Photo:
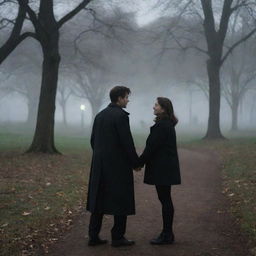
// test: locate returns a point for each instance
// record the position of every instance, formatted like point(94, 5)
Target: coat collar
point(113, 105)
point(160, 122)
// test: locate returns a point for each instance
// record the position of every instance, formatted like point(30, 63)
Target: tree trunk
point(190, 106)
point(234, 109)
point(43, 140)
point(253, 111)
point(95, 107)
point(213, 131)
point(32, 111)
point(64, 112)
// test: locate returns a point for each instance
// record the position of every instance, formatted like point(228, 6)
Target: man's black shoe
point(163, 239)
point(122, 242)
point(96, 241)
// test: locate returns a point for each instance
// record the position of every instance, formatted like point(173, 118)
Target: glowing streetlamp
point(82, 108)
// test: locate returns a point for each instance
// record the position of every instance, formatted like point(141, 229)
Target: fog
point(129, 45)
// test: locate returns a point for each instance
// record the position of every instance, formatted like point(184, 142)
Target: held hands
point(138, 169)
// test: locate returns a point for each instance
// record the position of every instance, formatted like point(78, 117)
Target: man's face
point(122, 102)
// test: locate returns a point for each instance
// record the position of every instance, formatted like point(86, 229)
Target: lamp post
point(82, 107)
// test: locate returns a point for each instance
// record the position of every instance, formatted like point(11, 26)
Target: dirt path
point(202, 226)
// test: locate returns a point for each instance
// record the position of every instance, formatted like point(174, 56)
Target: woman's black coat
point(160, 155)
point(111, 186)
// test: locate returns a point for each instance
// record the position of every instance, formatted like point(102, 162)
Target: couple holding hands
point(111, 185)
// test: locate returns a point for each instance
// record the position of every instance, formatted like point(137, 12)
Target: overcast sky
point(146, 12)
point(145, 9)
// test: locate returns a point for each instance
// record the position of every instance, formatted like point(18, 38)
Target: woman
point(162, 164)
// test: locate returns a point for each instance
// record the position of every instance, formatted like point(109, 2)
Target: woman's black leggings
point(164, 195)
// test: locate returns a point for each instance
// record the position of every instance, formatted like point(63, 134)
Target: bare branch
point(243, 3)
point(208, 15)
point(71, 14)
point(5, 20)
point(181, 46)
point(236, 44)
point(227, 95)
point(32, 15)
point(15, 38)
point(224, 21)
point(9, 46)
point(7, 1)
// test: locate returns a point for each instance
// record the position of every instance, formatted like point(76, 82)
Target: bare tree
point(96, 55)
point(26, 87)
point(253, 108)
point(215, 39)
point(63, 95)
point(92, 86)
point(214, 33)
point(239, 72)
point(238, 81)
point(46, 32)
point(15, 37)
point(3, 91)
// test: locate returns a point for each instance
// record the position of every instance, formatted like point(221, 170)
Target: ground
point(42, 198)
point(203, 225)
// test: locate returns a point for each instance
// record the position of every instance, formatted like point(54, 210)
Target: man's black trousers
point(117, 231)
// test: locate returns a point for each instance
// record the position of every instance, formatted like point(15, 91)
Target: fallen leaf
point(26, 213)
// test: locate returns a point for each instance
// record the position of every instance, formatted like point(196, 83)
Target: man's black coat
point(160, 155)
point(111, 186)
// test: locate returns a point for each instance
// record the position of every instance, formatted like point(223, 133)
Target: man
point(111, 186)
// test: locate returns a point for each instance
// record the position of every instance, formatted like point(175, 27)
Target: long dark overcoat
point(111, 185)
point(160, 155)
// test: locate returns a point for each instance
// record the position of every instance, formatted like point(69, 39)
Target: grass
point(13, 138)
point(239, 173)
point(40, 194)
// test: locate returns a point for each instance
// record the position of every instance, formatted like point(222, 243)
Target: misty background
point(147, 46)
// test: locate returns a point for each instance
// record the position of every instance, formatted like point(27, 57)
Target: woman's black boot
point(163, 238)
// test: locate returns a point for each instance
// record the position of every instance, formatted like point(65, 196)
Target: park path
point(202, 225)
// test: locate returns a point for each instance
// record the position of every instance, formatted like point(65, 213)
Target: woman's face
point(158, 109)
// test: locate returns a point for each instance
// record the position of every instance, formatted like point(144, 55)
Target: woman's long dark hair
point(168, 113)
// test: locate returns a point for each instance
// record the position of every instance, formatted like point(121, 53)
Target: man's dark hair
point(118, 91)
